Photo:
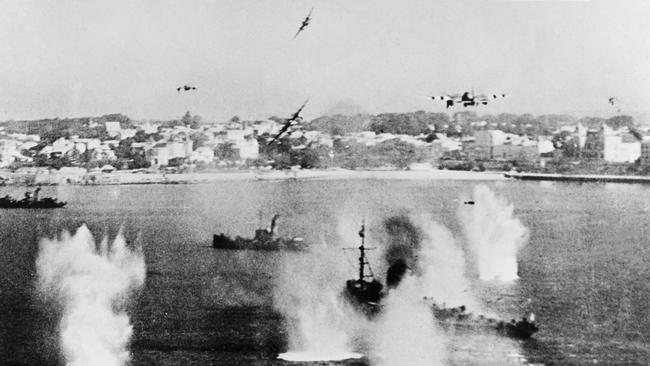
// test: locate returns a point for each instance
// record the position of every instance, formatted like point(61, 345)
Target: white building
point(163, 152)
point(8, 151)
point(620, 146)
point(149, 127)
point(248, 147)
point(448, 144)
point(89, 144)
point(113, 128)
point(202, 154)
point(489, 137)
point(582, 135)
point(267, 126)
point(544, 145)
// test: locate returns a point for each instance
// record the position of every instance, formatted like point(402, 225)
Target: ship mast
point(363, 261)
point(362, 254)
point(362, 250)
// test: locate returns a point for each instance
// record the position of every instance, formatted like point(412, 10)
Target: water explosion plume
point(321, 325)
point(92, 285)
point(424, 260)
point(494, 235)
point(443, 265)
point(406, 333)
point(428, 250)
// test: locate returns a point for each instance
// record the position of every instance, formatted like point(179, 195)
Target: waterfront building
point(620, 146)
point(163, 152)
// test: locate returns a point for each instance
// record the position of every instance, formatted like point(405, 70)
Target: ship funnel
point(274, 224)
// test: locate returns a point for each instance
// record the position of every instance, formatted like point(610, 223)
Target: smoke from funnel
point(92, 286)
point(403, 241)
point(396, 273)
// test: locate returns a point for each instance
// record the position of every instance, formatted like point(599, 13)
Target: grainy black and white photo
point(325, 182)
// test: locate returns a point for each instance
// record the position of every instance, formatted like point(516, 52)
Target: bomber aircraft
point(185, 88)
point(467, 99)
point(304, 24)
point(291, 121)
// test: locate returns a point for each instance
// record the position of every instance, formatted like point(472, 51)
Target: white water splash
point(93, 286)
point(406, 333)
point(442, 266)
point(321, 325)
point(318, 329)
point(494, 235)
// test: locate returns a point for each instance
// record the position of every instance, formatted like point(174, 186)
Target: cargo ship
point(264, 239)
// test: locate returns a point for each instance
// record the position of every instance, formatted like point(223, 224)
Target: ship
point(264, 239)
point(31, 200)
point(365, 294)
point(459, 319)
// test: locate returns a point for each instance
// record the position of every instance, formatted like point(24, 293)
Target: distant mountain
point(343, 107)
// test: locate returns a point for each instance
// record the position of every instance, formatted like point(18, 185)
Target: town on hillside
point(83, 148)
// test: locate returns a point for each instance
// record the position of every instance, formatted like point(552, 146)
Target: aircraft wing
point(282, 131)
point(454, 97)
point(296, 115)
point(487, 97)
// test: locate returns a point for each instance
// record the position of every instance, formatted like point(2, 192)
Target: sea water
point(581, 269)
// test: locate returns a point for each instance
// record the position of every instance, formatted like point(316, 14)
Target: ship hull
point(222, 241)
point(518, 330)
point(451, 318)
point(42, 204)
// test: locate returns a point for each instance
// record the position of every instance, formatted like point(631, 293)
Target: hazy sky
point(81, 58)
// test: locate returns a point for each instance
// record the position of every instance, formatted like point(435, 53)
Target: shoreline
point(596, 178)
point(129, 178)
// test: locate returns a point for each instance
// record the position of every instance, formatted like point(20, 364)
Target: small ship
point(366, 293)
point(31, 200)
point(264, 239)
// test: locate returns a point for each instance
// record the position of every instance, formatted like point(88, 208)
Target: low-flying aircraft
point(291, 121)
point(614, 102)
point(185, 88)
point(467, 99)
point(304, 24)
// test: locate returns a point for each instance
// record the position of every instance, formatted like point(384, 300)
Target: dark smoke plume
point(395, 273)
point(403, 245)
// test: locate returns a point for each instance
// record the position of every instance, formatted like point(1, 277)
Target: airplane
point(614, 102)
point(293, 120)
point(304, 24)
point(467, 99)
point(185, 88)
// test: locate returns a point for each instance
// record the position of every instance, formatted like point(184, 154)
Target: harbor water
point(576, 256)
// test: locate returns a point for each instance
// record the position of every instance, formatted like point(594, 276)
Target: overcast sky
point(69, 58)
